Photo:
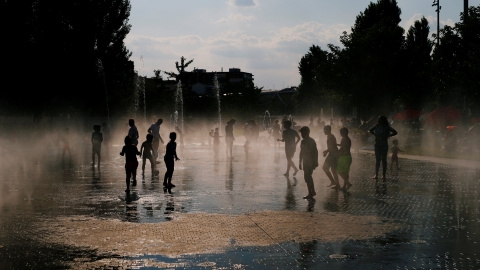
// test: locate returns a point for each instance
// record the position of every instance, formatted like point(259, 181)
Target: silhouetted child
point(131, 163)
point(229, 138)
point(146, 152)
point(308, 160)
point(133, 132)
point(248, 137)
point(154, 129)
point(291, 138)
point(97, 139)
point(170, 158)
point(106, 138)
point(66, 144)
point(276, 132)
point(345, 158)
point(331, 162)
point(216, 139)
point(395, 149)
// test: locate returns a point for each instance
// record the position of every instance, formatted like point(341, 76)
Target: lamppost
point(465, 8)
point(437, 3)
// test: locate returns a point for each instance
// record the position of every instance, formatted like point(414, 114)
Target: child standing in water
point(309, 157)
point(291, 138)
point(229, 138)
point(395, 149)
point(146, 150)
point(97, 139)
point(331, 162)
point(170, 158)
point(130, 152)
point(276, 132)
point(345, 158)
point(66, 144)
point(216, 140)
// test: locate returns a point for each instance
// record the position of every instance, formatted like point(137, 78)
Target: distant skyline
point(264, 37)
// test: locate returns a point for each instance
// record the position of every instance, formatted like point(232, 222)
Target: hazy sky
point(264, 37)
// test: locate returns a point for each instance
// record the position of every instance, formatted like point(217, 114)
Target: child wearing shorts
point(331, 160)
point(130, 152)
point(308, 160)
point(147, 152)
point(345, 158)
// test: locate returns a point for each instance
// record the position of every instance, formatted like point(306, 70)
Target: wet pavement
point(242, 214)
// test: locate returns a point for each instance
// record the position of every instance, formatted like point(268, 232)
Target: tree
point(62, 43)
point(446, 64)
point(456, 62)
point(418, 72)
point(158, 74)
point(469, 30)
point(180, 68)
point(313, 68)
point(373, 51)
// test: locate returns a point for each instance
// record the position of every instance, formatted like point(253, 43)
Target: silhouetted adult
point(382, 131)
point(229, 138)
point(154, 129)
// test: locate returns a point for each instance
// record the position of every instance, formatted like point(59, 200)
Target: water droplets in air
point(178, 109)
point(217, 94)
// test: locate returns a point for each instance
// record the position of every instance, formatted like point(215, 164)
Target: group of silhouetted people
point(338, 158)
point(337, 161)
point(149, 150)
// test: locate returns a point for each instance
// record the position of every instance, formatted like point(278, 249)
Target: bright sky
point(264, 37)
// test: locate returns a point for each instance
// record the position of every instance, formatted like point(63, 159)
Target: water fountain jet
point(217, 94)
point(101, 70)
point(179, 106)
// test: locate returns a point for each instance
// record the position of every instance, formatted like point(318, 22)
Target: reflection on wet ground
point(242, 214)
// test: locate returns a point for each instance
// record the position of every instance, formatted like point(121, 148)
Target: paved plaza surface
point(243, 214)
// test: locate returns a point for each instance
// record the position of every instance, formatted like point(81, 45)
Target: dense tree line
point(381, 68)
point(65, 57)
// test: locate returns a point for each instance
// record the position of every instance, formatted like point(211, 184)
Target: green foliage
point(418, 47)
point(318, 70)
point(373, 57)
point(379, 67)
point(457, 62)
